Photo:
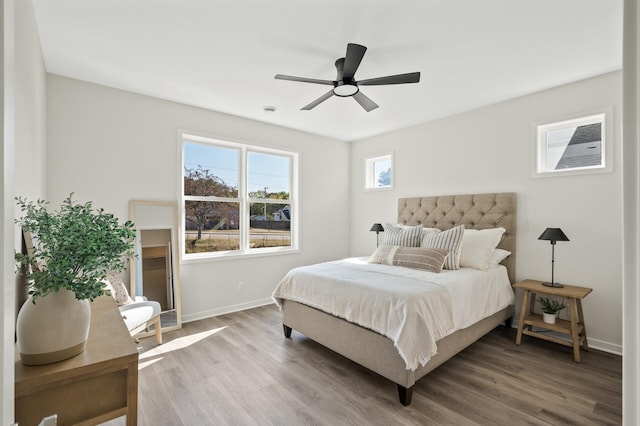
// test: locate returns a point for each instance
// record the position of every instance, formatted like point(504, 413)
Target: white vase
point(549, 318)
point(56, 327)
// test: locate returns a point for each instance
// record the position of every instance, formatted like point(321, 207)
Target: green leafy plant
point(75, 247)
point(550, 306)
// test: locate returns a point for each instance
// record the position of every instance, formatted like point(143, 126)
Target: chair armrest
point(138, 313)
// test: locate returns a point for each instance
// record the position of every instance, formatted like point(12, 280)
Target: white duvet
point(413, 308)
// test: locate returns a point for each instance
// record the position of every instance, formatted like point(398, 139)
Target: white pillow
point(498, 256)
point(478, 247)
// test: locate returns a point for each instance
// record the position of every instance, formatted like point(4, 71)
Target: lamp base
point(556, 285)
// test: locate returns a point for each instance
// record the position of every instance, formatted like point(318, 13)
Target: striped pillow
point(410, 257)
point(406, 236)
point(451, 240)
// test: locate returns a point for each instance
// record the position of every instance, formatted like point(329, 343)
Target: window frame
point(370, 175)
point(541, 129)
point(243, 200)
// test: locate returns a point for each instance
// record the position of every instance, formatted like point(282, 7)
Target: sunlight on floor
point(144, 364)
point(179, 343)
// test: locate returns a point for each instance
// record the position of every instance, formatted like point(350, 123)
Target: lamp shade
point(553, 235)
point(377, 227)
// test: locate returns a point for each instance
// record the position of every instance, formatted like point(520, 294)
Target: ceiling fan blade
point(304, 79)
point(411, 77)
point(318, 101)
point(365, 102)
point(352, 60)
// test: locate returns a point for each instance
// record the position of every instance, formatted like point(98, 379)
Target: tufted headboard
point(475, 211)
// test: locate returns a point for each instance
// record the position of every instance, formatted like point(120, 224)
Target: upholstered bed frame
point(376, 352)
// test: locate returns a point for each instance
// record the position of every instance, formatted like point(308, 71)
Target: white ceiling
point(223, 55)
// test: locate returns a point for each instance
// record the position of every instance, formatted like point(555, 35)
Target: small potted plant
point(550, 309)
point(73, 250)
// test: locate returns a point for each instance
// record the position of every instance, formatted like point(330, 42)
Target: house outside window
point(237, 199)
point(572, 145)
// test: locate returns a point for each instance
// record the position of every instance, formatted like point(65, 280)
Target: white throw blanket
point(393, 301)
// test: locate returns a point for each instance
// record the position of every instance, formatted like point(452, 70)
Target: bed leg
point(287, 331)
point(508, 321)
point(405, 395)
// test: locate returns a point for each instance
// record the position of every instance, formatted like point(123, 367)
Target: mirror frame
point(175, 263)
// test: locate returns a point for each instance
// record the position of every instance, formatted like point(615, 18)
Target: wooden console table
point(96, 385)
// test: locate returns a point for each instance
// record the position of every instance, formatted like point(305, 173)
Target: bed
point(374, 350)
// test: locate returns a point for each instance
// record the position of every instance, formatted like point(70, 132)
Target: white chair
point(138, 315)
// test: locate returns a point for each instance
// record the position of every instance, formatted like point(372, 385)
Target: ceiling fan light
point(345, 90)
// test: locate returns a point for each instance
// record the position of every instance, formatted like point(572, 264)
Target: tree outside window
point(237, 198)
point(379, 172)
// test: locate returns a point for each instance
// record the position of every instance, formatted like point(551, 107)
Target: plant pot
point(56, 327)
point(549, 318)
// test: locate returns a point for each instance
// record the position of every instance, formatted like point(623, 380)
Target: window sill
point(222, 256)
point(386, 188)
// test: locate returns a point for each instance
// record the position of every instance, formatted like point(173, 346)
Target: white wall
point(23, 158)
point(110, 146)
point(488, 150)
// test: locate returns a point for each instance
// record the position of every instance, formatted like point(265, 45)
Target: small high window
point(574, 146)
point(379, 172)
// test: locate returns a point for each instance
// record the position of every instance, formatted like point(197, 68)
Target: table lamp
point(553, 235)
point(378, 228)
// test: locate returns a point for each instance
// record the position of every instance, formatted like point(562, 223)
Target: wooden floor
point(238, 369)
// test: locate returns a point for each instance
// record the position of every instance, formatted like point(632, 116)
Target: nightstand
point(575, 327)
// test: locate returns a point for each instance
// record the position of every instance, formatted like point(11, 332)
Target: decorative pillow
point(410, 257)
point(478, 247)
point(425, 230)
point(406, 236)
point(117, 289)
point(450, 240)
point(498, 256)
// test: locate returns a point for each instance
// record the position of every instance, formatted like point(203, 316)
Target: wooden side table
point(575, 327)
point(96, 385)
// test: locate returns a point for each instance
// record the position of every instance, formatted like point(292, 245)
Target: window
point(379, 172)
point(236, 198)
point(574, 145)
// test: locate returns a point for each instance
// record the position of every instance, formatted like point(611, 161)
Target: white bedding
point(413, 308)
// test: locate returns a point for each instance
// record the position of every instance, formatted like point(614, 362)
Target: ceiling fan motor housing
point(344, 87)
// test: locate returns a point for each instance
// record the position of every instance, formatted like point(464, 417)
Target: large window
point(236, 198)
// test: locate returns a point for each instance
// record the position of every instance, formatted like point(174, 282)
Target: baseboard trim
point(605, 346)
point(226, 310)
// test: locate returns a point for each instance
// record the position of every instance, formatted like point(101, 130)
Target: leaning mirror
point(154, 272)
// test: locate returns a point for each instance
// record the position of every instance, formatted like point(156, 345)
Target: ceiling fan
point(345, 84)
